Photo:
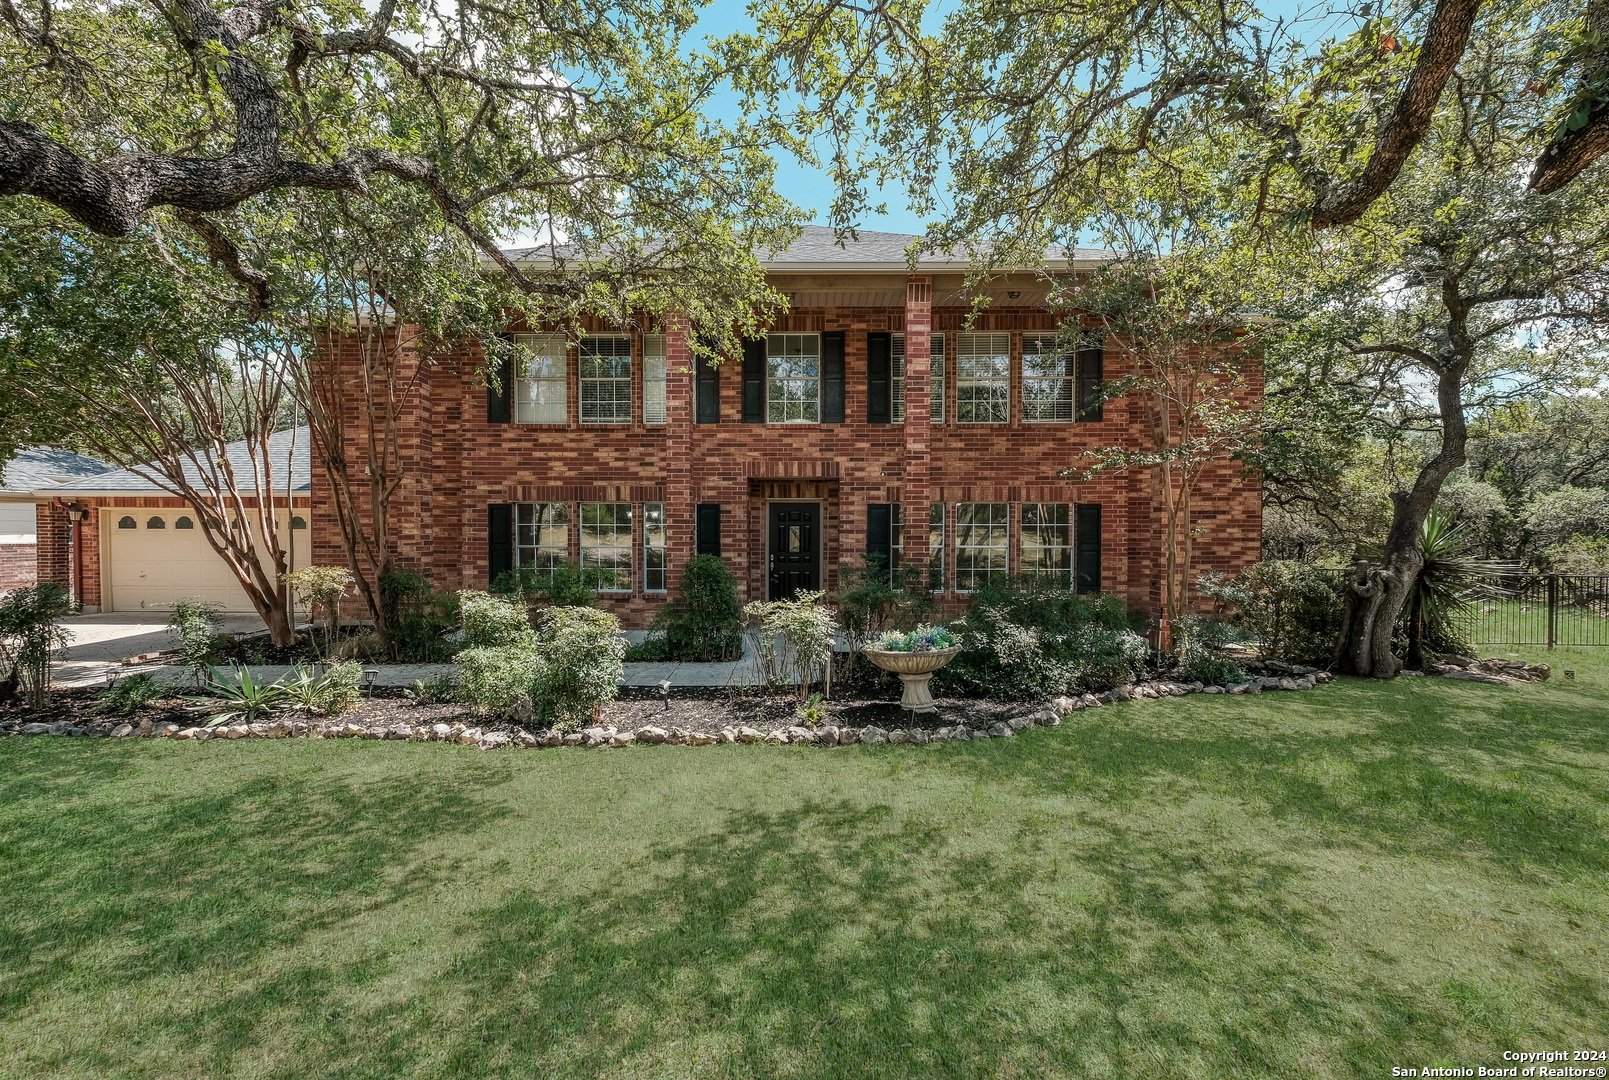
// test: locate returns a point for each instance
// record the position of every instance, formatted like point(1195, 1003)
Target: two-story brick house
point(872, 418)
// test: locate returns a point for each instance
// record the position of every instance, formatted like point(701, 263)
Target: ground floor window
point(541, 537)
point(653, 547)
point(1047, 543)
point(982, 544)
point(606, 546)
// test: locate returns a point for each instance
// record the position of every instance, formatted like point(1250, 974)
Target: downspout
point(75, 574)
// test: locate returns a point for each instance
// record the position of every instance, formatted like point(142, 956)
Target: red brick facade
point(458, 463)
point(18, 565)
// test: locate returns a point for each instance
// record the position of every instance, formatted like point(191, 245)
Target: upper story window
point(606, 379)
point(653, 378)
point(793, 378)
point(1048, 374)
point(541, 379)
point(983, 379)
point(935, 379)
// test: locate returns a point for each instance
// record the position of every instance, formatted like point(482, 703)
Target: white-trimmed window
point(653, 547)
point(1047, 543)
point(983, 379)
point(541, 537)
point(982, 544)
point(605, 379)
point(1049, 368)
point(606, 546)
point(541, 379)
point(793, 378)
point(935, 379)
point(653, 378)
point(935, 547)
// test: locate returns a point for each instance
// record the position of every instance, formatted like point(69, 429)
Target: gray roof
point(43, 466)
point(286, 449)
point(820, 248)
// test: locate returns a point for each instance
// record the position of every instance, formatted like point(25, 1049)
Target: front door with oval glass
point(795, 548)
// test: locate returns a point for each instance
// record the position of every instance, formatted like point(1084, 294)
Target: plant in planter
point(914, 655)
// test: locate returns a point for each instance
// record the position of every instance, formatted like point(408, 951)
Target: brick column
point(918, 418)
point(679, 494)
point(53, 556)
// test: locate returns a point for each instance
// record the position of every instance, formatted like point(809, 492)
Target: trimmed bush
point(497, 679)
point(578, 667)
point(703, 622)
point(1288, 610)
point(494, 622)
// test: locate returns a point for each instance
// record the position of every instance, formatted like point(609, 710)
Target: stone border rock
point(494, 735)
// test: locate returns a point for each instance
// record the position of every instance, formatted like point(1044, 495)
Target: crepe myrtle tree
point(566, 119)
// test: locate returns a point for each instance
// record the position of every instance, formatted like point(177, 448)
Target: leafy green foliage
point(131, 694)
point(578, 663)
point(873, 598)
point(564, 585)
point(496, 678)
point(493, 622)
point(321, 588)
point(416, 616)
point(1024, 638)
point(196, 624)
point(921, 639)
point(795, 639)
point(702, 624)
point(1211, 670)
point(326, 693)
point(32, 637)
point(239, 696)
point(1287, 610)
point(1448, 581)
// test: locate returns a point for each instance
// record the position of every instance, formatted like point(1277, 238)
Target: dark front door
point(795, 549)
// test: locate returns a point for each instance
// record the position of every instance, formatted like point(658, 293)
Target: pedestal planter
point(914, 669)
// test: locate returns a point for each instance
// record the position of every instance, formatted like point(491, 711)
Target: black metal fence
point(1538, 609)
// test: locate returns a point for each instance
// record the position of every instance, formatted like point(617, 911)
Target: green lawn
point(1324, 884)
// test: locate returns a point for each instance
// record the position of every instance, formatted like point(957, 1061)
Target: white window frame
point(529, 527)
point(620, 553)
point(541, 379)
point(1033, 528)
point(998, 526)
point(808, 400)
point(983, 378)
point(605, 398)
point(935, 547)
point(935, 379)
point(1049, 398)
point(653, 520)
point(654, 369)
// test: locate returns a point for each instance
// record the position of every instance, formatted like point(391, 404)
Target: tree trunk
point(1378, 588)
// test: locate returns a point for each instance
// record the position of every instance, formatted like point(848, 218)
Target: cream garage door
point(154, 557)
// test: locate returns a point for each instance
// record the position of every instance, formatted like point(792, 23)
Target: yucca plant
point(240, 698)
point(1449, 580)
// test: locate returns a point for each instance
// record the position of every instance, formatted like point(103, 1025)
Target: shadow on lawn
point(1512, 774)
point(103, 890)
point(836, 941)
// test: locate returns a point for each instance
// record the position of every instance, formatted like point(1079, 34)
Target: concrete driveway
point(100, 642)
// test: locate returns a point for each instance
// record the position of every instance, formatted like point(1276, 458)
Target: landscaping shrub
point(328, 693)
point(320, 588)
point(703, 622)
point(31, 638)
point(795, 641)
point(195, 623)
point(578, 663)
point(1587, 555)
point(1024, 638)
point(131, 694)
point(1211, 670)
point(415, 616)
point(493, 622)
point(564, 585)
point(873, 600)
point(238, 697)
point(1287, 610)
point(496, 678)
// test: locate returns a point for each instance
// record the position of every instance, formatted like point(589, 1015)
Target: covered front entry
point(153, 556)
point(793, 544)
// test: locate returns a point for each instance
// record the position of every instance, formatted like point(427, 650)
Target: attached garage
point(151, 557)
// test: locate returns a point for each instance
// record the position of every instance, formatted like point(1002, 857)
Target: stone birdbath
point(915, 669)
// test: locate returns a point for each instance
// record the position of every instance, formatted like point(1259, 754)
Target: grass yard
point(1324, 884)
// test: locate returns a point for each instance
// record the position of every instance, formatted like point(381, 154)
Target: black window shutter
point(832, 377)
point(1087, 541)
point(1090, 376)
point(707, 390)
point(880, 533)
point(500, 398)
point(754, 381)
point(879, 382)
point(499, 541)
point(707, 539)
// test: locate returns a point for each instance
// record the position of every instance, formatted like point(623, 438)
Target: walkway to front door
point(795, 547)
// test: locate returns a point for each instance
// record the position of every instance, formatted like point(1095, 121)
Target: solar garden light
point(664, 693)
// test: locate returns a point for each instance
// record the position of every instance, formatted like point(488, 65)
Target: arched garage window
point(184, 523)
point(126, 522)
point(156, 523)
point(298, 523)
